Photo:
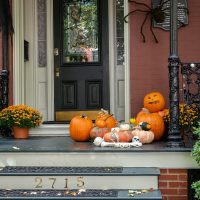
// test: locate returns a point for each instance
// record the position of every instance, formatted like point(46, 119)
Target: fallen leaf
point(16, 148)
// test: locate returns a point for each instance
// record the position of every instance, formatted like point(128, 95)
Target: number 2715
point(39, 182)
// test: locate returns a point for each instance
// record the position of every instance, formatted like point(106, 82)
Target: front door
point(81, 58)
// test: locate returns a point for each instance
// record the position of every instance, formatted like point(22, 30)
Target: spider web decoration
point(182, 13)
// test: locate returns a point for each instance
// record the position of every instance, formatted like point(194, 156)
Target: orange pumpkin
point(155, 120)
point(100, 123)
point(98, 132)
point(154, 102)
point(110, 121)
point(80, 127)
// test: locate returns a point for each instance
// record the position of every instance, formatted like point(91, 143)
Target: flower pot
point(20, 133)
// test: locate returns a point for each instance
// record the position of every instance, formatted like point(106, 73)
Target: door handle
point(57, 71)
point(56, 52)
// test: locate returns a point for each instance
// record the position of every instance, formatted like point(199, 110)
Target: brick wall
point(149, 61)
point(173, 184)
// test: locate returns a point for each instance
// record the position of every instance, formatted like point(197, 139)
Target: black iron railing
point(191, 83)
point(3, 89)
point(190, 94)
point(4, 77)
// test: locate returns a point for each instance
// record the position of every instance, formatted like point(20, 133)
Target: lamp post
point(174, 137)
point(6, 28)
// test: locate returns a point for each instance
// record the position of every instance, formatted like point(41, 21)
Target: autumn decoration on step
point(155, 120)
point(104, 119)
point(118, 136)
point(144, 133)
point(154, 102)
point(80, 127)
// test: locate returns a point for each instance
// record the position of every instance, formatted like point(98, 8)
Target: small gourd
point(145, 126)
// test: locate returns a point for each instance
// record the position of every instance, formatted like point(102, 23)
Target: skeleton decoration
point(101, 143)
point(136, 141)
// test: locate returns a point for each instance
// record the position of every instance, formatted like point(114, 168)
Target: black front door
point(81, 57)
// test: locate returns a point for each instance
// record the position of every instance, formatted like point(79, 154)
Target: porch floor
point(65, 144)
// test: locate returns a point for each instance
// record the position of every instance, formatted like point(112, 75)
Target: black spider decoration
point(157, 14)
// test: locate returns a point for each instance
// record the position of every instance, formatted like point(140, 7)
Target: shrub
point(196, 156)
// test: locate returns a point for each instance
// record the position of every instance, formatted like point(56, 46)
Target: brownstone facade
point(149, 61)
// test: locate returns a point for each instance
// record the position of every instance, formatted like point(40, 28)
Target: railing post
point(4, 89)
point(174, 137)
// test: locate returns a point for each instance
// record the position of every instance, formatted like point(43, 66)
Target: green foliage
point(197, 130)
point(196, 187)
point(196, 152)
point(196, 156)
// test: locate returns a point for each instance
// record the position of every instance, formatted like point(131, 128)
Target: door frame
point(18, 58)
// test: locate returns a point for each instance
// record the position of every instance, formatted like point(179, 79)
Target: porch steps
point(77, 194)
point(79, 183)
point(78, 177)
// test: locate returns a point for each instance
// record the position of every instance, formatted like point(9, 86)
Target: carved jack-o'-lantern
point(154, 102)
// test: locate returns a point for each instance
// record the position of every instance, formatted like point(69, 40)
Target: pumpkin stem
point(108, 117)
point(104, 111)
point(83, 116)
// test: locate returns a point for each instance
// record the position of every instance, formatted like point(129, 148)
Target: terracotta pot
point(20, 133)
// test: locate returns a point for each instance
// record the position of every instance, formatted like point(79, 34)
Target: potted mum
point(188, 119)
point(20, 118)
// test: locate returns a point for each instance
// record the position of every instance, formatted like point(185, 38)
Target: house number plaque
point(182, 13)
point(51, 182)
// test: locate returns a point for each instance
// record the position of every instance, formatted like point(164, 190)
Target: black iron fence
point(191, 83)
point(4, 77)
point(3, 89)
point(190, 95)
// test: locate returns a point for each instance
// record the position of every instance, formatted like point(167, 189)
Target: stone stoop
point(79, 183)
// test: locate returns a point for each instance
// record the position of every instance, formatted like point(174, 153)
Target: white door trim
point(50, 62)
point(112, 55)
point(127, 66)
point(18, 52)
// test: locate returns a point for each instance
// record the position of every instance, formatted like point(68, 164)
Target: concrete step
point(78, 177)
point(81, 194)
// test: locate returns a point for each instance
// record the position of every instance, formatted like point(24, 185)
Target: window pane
point(80, 31)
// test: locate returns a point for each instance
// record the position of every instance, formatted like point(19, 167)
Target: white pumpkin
point(145, 137)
